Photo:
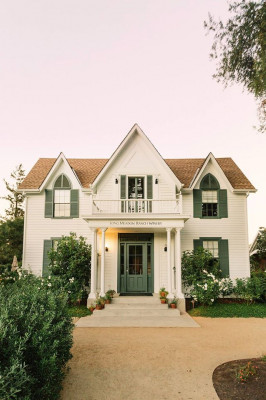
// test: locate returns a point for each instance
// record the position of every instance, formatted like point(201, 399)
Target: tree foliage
point(11, 241)
point(239, 46)
point(14, 197)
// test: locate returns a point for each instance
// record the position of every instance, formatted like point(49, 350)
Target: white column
point(169, 268)
point(92, 294)
point(179, 293)
point(102, 293)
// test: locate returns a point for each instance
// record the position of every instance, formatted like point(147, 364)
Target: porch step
point(135, 312)
point(136, 306)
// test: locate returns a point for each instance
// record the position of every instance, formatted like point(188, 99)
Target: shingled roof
point(88, 169)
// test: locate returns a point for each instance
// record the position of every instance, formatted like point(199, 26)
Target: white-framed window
point(212, 246)
point(62, 197)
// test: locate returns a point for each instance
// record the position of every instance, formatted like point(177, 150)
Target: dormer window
point(62, 201)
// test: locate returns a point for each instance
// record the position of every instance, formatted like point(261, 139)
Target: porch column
point(102, 293)
point(92, 294)
point(169, 268)
point(179, 292)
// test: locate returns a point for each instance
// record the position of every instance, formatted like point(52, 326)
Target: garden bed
point(229, 388)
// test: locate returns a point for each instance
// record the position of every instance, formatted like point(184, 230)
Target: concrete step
point(135, 299)
point(148, 312)
point(182, 321)
point(137, 306)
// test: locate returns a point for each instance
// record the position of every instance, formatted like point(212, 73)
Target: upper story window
point(210, 201)
point(134, 190)
point(62, 197)
point(62, 201)
point(209, 186)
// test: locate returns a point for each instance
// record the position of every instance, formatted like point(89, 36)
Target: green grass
point(231, 310)
point(78, 311)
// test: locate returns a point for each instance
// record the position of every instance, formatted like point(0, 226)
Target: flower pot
point(163, 301)
point(162, 294)
point(98, 307)
point(108, 302)
point(173, 305)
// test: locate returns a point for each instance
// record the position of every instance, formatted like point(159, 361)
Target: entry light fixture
point(165, 247)
point(156, 181)
point(106, 249)
point(116, 181)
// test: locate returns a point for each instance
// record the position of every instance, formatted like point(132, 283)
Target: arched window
point(62, 197)
point(210, 201)
point(62, 201)
point(209, 191)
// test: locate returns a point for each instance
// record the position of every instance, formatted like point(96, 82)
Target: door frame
point(135, 238)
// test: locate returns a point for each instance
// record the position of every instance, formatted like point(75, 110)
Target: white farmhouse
point(139, 212)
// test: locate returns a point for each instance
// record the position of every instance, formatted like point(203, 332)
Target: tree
point(258, 258)
point(11, 241)
point(15, 198)
point(240, 47)
point(70, 260)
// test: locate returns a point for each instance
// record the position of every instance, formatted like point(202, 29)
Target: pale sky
point(75, 75)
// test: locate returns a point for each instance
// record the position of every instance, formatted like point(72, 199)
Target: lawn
point(231, 310)
point(78, 311)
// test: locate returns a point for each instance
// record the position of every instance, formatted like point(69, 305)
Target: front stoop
point(137, 312)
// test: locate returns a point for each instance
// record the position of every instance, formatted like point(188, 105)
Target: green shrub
point(35, 339)
point(70, 261)
point(194, 263)
point(251, 289)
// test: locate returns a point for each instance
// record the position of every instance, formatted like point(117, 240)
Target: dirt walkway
point(158, 363)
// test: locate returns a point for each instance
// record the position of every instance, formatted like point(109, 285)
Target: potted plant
point(173, 302)
point(163, 300)
point(102, 300)
point(108, 298)
point(163, 292)
point(92, 307)
point(99, 304)
point(111, 292)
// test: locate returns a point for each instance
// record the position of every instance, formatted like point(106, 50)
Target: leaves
point(239, 47)
point(15, 198)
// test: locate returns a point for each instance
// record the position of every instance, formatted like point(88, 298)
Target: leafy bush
point(70, 261)
point(251, 289)
point(7, 276)
point(35, 339)
point(195, 262)
point(202, 277)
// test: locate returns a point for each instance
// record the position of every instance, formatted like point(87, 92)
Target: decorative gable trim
point(135, 129)
point(197, 176)
point(60, 158)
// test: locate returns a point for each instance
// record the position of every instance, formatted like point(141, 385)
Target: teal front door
point(136, 267)
point(135, 263)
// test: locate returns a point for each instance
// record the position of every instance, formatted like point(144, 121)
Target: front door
point(135, 264)
point(136, 267)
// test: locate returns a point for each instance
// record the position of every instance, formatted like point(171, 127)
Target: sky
point(75, 75)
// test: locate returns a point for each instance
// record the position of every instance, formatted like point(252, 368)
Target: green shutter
point(46, 261)
point(197, 203)
point(123, 187)
point(48, 204)
point(197, 243)
point(149, 187)
point(223, 212)
point(224, 257)
point(74, 203)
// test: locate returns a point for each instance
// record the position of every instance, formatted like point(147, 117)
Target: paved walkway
point(158, 363)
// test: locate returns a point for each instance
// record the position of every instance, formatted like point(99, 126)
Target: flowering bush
point(210, 288)
point(243, 373)
point(35, 339)
point(70, 261)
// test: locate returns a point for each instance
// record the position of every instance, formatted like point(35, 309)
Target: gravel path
point(158, 363)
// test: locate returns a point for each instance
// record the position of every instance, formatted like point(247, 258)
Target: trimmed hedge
point(35, 339)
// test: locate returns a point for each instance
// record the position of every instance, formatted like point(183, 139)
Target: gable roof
point(87, 171)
